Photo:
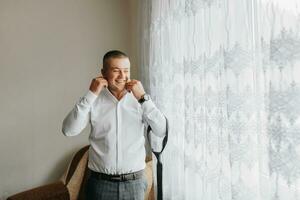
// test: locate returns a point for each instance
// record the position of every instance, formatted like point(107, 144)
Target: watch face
point(146, 97)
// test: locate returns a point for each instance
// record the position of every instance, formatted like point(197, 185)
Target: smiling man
point(118, 110)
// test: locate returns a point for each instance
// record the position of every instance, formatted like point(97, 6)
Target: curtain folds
point(227, 76)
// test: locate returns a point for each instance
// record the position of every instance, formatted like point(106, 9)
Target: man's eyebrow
point(119, 68)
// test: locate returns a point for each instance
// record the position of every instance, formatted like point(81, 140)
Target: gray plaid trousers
point(97, 189)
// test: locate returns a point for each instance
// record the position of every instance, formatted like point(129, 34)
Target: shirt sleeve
point(78, 118)
point(154, 118)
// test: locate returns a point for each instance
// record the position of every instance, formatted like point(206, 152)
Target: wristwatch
point(144, 98)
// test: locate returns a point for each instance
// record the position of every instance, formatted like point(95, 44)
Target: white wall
point(49, 52)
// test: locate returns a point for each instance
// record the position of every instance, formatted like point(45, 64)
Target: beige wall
point(49, 52)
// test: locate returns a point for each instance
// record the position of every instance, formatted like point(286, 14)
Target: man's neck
point(117, 94)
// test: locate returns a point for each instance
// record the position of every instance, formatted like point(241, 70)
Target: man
point(118, 110)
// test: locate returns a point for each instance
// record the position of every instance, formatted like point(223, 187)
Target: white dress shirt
point(117, 130)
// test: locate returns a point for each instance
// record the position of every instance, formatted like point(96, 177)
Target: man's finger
point(132, 82)
point(128, 87)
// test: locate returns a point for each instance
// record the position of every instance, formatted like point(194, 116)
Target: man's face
point(117, 73)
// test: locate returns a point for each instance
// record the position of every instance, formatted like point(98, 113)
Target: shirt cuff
point(90, 97)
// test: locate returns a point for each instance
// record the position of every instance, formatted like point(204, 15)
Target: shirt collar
point(108, 93)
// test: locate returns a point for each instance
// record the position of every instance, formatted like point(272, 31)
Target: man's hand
point(97, 85)
point(136, 88)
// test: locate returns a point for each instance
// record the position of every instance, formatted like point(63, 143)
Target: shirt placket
point(118, 138)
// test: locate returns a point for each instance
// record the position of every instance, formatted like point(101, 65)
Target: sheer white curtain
point(226, 74)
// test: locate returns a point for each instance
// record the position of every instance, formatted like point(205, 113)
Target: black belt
point(118, 178)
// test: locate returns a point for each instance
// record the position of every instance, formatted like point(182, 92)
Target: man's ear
point(103, 73)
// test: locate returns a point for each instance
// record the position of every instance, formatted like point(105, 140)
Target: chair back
point(77, 173)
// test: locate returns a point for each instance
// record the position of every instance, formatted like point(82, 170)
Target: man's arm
point(151, 115)
point(154, 118)
point(78, 118)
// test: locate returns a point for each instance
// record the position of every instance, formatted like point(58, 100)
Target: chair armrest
point(54, 191)
point(149, 194)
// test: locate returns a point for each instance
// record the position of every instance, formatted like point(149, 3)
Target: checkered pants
point(97, 189)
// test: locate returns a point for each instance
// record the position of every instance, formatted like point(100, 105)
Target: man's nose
point(122, 74)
